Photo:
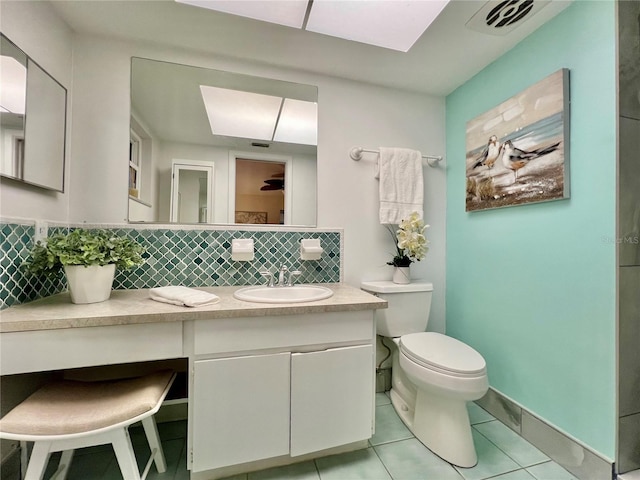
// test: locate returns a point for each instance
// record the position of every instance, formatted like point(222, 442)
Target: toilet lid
point(431, 349)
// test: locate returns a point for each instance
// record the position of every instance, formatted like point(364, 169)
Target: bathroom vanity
point(269, 384)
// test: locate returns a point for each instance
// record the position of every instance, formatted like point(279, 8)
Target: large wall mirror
point(33, 111)
point(257, 138)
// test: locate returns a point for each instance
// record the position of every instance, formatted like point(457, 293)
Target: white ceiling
point(446, 56)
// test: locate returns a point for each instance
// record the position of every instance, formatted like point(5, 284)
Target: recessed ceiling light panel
point(385, 23)
point(298, 123)
point(283, 12)
point(233, 113)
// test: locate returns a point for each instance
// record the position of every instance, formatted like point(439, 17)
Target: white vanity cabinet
point(240, 410)
point(269, 384)
point(280, 386)
point(331, 393)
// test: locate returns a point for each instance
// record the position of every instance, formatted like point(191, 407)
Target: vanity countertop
point(134, 306)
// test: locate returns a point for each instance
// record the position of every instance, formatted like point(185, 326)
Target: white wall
point(303, 187)
point(39, 32)
point(354, 114)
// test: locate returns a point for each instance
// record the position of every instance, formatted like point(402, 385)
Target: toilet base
point(441, 424)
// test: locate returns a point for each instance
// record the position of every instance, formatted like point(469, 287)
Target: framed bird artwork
point(518, 152)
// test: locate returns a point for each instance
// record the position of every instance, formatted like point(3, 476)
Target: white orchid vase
point(411, 242)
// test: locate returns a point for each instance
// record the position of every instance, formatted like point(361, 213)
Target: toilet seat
point(443, 354)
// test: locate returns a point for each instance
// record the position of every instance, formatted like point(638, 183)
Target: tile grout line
point(383, 464)
point(550, 460)
point(508, 456)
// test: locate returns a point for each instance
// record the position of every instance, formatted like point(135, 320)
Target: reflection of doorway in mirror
point(260, 191)
point(12, 153)
point(192, 191)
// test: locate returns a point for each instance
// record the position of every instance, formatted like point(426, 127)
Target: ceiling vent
point(499, 17)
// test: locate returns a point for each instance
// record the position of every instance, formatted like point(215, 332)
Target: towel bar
point(356, 154)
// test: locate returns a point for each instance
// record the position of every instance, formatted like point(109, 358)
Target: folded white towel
point(183, 296)
point(401, 184)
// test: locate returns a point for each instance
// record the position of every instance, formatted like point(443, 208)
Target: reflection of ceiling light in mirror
point(393, 24)
point(240, 114)
point(283, 12)
point(390, 24)
point(297, 123)
point(13, 79)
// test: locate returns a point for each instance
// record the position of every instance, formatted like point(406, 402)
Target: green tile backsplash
point(190, 257)
point(16, 284)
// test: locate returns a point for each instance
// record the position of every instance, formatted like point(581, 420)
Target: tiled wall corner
point(194, 257)
point(628, 240)
point(564, 450)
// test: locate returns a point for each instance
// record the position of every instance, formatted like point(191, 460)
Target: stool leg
point(38, 461)
point(24, 458)
point(65, 463)
point(124, 454)
point(151, 431)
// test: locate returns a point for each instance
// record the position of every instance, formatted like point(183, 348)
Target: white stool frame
point(117, 435)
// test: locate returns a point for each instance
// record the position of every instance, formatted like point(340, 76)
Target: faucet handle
point(293, 273)
point(269, 276)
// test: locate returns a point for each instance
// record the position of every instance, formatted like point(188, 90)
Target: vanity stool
point(66, 415)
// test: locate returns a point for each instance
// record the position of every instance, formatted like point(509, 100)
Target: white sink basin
point(294, 294)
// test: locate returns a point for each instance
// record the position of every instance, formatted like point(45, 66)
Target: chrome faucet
point(285, 277)
point(269, 276)
point(292, 273)
point(282, 276)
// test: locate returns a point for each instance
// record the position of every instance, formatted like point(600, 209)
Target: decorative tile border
point(194, 257)
point(582, 462)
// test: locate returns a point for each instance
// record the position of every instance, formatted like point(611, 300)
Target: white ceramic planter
point(402, 275)
point(90, 284)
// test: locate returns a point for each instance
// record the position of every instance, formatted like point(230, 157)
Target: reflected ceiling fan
point(274, 183)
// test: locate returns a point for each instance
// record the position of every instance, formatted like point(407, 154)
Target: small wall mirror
point(257, 135)
point(33, 111)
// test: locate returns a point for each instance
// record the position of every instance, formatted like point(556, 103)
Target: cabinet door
point(331, 398)
point(240, 410)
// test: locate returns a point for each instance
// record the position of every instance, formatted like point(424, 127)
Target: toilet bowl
point(443, 387)
point(432, 376)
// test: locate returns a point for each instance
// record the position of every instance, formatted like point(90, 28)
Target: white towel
point(183, 296)
point(401, 184)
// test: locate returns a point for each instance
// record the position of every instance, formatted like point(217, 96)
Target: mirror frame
point(61, 145)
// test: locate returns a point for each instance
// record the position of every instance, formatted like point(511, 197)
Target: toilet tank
point(408, 310)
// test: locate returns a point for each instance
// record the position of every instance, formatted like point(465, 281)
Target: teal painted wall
point(533, 287)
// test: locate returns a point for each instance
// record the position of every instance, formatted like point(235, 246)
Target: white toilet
point(432, 376)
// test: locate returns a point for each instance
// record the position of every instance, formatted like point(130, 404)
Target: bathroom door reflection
point(192, 192)
point(260, 191)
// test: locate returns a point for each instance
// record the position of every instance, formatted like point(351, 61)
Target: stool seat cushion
point(68, 407)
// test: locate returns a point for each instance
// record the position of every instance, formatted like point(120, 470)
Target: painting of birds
point(490, 153)
point(517, 152)
point(515, 158)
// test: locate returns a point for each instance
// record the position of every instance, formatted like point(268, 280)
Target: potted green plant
point(411, 245)
point(89, 259)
